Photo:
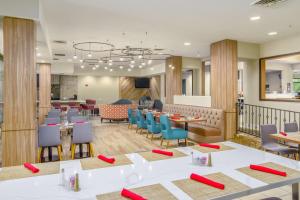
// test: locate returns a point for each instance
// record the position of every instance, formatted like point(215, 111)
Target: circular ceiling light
point(89, 55)
point(129, 70)
point(255, 18)
point(110, 64)
point(81, 60)
point(105, 68)
point(140, 56)
point(82, 66)
point(132, 62)
point(111, 70)
point(132, 66)
point(121, 67)
point(140, 66)
point(272, 33)
point(75, 57)
point(149, 62)
point(187, 44)
point(94, 68)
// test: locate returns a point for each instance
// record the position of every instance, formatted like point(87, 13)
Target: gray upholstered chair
point(55, 120)
point(48, 137)
point(82, 134)
point(54, 113)
point(75, 119)
point(270, 144)
point(71, 113)
point(288, 128)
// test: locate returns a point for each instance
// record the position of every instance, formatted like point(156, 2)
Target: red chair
point(89, 106)
point(56, 105)
point(74, 105)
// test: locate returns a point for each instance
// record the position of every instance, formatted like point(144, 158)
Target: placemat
point(153, 192)
point(270, 178)
point(223, 147)
point(95, 163)
point(198, 190)
point(17, 172)
point(149, 156)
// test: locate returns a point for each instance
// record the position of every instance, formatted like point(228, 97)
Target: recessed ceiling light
point(187, 43)
point(81, 60)
point(140, 66)
point(100, 61)
point(110, 61)
point(38, 54)
point(121, 59)
point(132, 66)
point(254, 18)
point(82, 66)
point(110, 64)
point(89, 55)
point(121, 67)
point(149, 62)
point(132, 61)
point(111, 70)
point(140, 56)
point(94, 68)
point(105, 68)
point(170, 66)
point(129, 70)
point(143, 64)
point(173, 68)
point(75, 57)
point(152, 68)
point(272, 33)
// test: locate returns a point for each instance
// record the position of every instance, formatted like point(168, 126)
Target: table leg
point(295, 191)
point(80, 151)
point(50, 153)
point(186, 126)
point(298, 152)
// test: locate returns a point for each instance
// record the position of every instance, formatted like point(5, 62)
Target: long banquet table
point(144, 173)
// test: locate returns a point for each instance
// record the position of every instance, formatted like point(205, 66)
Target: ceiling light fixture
point(38, 54)
point(82, 66)
point(140, 56)
point(187, 44)
point(75, 57)
point(132, 62)
point(170, 66)
point(110, 64)
point(89, 55)
point(129, 70)
point(255, 18)
point(111, 70)
point(173, 68)
point(132, 66)
point(149, 62)
point(272, 33)
point(121, 59)
point(100, 61)
point(81, 60)
point(143, 63)
point(140, 66)
point(94, 68)
point(105, 68)
point(121, 67)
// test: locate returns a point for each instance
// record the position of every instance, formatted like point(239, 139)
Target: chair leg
point(178, 142)
point(147, 134)
point(40, 154)
point(152, 136)
point(168, 142)
point(161, 142)
point(73, 147)
point(59, 152)
point(185, 141)
point(91, 149)
point(137, 129)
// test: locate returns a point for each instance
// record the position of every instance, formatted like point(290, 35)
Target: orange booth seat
point(115, 112)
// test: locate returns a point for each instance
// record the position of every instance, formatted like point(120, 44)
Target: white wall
point(105, 89)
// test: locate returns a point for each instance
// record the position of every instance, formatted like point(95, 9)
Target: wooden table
point(186, 121)
point(293, 137)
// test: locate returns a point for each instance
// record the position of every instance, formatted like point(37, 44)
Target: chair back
point(72, 104)
point(76, 119)
point(139, 116)
point(158, 105)
point(49, 135)
point(71, 113)
point(90, 101)
point(54, 113)
point(82, 133)
point(165, 123)
point(150, 119)
point(56, 105)
point(55, 120)
point(265, 131)
point(291, 127)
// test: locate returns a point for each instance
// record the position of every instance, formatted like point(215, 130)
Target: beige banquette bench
point(212, 130)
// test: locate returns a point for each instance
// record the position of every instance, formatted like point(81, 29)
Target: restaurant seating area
point(149, 100)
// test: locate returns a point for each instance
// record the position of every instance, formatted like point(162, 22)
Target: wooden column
point(44, 91)
point(19, 92)
point(173, 78)
point(224, 82)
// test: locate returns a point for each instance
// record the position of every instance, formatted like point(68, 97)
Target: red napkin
point(175, 118)
point(267, 170)
point(214, 146)
point(176, 115)
point(197, 117)
point(31, 167)
point(109, 160)
point(283, 133)
point(207, 181)
point(80, 122)
point(128, 194)
point(51, 124)
point(167, 153)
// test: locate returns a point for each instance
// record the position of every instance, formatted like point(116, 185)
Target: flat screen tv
point(142, 83)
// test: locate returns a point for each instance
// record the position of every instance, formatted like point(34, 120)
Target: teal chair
point(140, 121)
point(169, 133)
point(152, 126)
point(131, 118)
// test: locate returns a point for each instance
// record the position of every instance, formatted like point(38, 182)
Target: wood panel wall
point(44, 91)
point(224, 81)
point(127, 88)
point(19, 92)
point(173, 78)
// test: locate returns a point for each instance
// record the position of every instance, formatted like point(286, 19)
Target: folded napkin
point(267, 170)
point(214, 146)
point(51, 124)
point(197, 117)
point(176, 114)
point(31, 167)
point(175, 118)
point(283, 133)
point(109, 160)
point(80, 122)
point(167, 153)
point(207, 181)
point(128, 194)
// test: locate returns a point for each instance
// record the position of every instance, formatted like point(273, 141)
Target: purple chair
point(288, 128)
point(48, 137)
point(72, 113)
point(76, 119)
point(54, 113)
point(270, 144)
point(82, 134)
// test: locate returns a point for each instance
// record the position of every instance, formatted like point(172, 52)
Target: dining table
point(292, 137)
point(186, 120)
point(156, 176)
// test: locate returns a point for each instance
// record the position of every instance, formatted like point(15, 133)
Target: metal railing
point(250, 117)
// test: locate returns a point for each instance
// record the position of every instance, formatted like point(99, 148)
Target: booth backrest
point(109, 111)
